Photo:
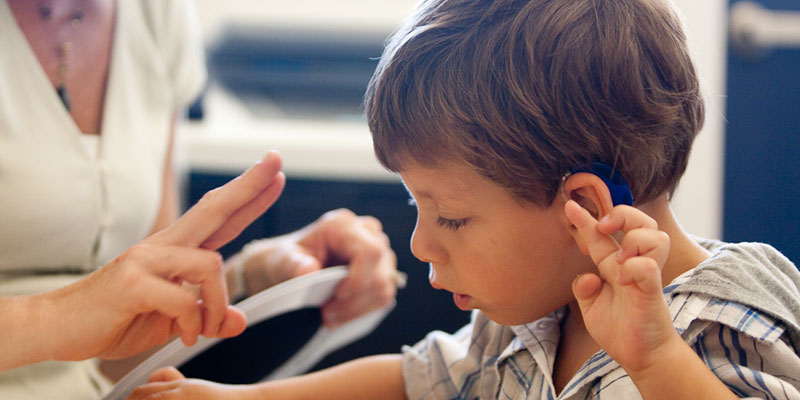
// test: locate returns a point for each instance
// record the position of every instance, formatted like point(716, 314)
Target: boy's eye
point(451, 224)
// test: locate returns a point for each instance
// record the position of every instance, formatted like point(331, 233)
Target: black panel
point(259, 350)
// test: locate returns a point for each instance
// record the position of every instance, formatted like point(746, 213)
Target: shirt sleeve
point(176, 31)
point(751, 367)
point(425, 365)
point(461, 365)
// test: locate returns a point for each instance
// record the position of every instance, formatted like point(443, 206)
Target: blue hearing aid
point(620, 192)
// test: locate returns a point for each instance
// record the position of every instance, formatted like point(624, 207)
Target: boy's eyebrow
point(426, 194)
point(422, 194)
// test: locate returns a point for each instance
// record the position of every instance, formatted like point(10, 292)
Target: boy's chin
point(509, 320)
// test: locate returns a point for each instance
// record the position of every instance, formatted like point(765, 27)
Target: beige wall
point(698, 202)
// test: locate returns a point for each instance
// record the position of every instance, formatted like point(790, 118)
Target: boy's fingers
point(641, 235)
point(645, 242)
point(586, 287)
point(600, 245)
point(625, 218)
point(644, 272)
point(216, 207)
point(165, 374)
point(144, 391)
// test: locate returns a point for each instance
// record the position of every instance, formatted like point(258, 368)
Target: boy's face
point(514, 261)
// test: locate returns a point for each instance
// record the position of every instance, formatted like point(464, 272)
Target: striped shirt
point(745, 348)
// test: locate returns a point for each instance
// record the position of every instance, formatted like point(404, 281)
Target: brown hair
point(524, 90)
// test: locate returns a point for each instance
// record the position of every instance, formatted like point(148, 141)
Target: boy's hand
point(623, 308)
point(168, 383)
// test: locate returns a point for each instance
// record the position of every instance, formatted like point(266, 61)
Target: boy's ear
point(591, 193)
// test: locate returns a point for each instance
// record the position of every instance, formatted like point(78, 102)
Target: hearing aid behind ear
point(620, 192)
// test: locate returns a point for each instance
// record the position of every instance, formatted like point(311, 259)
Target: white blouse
point(70, 202)
point(63, 209)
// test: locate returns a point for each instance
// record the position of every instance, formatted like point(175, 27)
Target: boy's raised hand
point(623, 308)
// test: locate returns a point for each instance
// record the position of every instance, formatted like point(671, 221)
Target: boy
point(517, 126)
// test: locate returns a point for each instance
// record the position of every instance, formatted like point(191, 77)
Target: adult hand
point(623, 307)
point(337, 237)
point(138, 300)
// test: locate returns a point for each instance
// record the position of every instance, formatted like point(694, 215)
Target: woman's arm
point(25, 341)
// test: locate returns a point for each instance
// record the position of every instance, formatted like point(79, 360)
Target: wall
point(698, 201)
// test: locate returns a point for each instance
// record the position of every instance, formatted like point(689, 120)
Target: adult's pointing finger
point(224, 212)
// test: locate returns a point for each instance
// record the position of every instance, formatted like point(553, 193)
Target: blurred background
point(290, 76)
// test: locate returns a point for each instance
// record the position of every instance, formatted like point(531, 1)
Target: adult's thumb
point(234, 323)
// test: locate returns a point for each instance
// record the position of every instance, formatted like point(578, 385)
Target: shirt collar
point(539, 338)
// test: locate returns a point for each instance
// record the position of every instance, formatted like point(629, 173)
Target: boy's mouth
point(462, 301)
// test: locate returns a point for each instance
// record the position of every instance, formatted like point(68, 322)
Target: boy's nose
point(424, 246)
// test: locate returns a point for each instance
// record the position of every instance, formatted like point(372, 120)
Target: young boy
point(517, 126)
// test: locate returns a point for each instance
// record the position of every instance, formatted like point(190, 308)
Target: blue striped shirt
point(745, 348)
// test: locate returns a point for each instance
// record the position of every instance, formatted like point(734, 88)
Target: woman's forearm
point(25, 319)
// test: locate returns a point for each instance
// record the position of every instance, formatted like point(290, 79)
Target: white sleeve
point(445, 366)
point(426, 365)
point(176, 32)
